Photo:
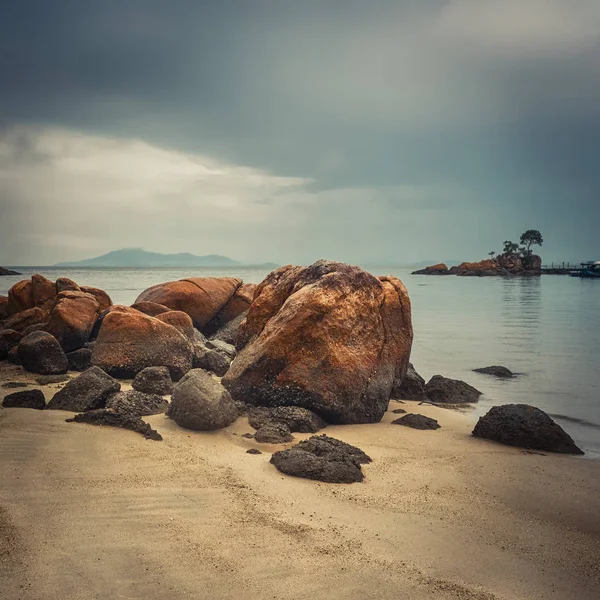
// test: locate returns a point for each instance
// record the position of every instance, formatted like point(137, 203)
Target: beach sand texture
point(96, 513)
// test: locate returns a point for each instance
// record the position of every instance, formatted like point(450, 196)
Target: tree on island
point(510, 247)
point(532, 237)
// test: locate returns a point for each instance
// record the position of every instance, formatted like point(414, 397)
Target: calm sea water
point(545, 328)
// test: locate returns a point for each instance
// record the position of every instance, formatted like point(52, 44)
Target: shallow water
point(545, 328)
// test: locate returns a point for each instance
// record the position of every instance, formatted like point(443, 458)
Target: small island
point(515, 259)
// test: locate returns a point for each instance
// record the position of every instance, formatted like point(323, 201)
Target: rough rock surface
point(9, 339)
point(417, 422)
point(11, 385)
point(296, 418)
point(26, 318)
point(496, 370)
point(211, 360)
point(180, 320)
point(4, 308)
point(201, 403)
point(25, 399)
point(322, 458)
point(228, 333)
point(50, 379)
point(89, 391)
point(273, 433)
point(43, 291)
point(13, 356)
point(253, 451)
point(330, 337)
point(450, 391)
point(137, 403)
point(20, 297)
point(39, 352)
point(238, 304)
point(153, 380)
point(72, 319)
point(409, 387)
point(102, 298)
point(64, 284)
point(80, 360)
point(526, 427)
point(200, 297)
point(110, 418)
point(150, 308)
point(128, 342)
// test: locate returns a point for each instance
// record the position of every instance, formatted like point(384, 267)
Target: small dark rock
point(248, 436)
point(399, 411)
point(296, 418)
point(417, 422)
point(273, 433)
point(526, 427)
point(322, 458)
point(80, 360)
point(133, 402)
point(14, 384)
point(210, 359)
point(110, 418)
point(48, 379)
point(40, 352)
point(88, 391)
point(26, 399)
point(153, 380)
point(253, 451)
point(496, 370)
point(450, 391)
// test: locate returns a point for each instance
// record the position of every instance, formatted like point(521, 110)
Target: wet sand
point(92, 513)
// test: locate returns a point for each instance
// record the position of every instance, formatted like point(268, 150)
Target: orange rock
point(240, 302)
point(44, 291)
point(20, 296)
point(330, 338)
point(438, 267)
point(64, 284)
point(180, 320)
point(72, 319)
point(101, 296)
point(24, 319)
point(131, 341)
point(200, 297)
point(150, 308)
point(482, 265)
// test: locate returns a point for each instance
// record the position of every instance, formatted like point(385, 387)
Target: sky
point(277, 130)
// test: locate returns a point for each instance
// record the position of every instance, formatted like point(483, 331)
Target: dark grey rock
point(417, 422)
point(9, 339)
point(496, 370)
point(211, 360)
point(273, 433)
point(13, 356)
point(248, 436)
point(153, 380)
point(110, 418)
point(409, 387)
point(80, 360)
point(253, 451)
point(89, 391)
point(25, 399)
point(137, 403)
point(450, 391)
point(223, 347)
point(322, 458)
point(526, 427)
point(40, 352)
point(201, 403)
point(14, 384)
point(399, 411)
point(296, 418)
point(228, 333)
point(49, 379)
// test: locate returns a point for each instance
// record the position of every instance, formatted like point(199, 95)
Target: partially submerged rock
point(409, 387)
point(273, 433)
point(40, 352)
point(496, 371)
point(89, 391)
point(443, 390)
point(153, 380)
point(296, 418)
point(322, 458)
point(4, 271)
point(111, 418)
point(526, 427)
point(330, 338)
point(137, 403)
point(25, 399)
point(201, 403)
point(417, 421)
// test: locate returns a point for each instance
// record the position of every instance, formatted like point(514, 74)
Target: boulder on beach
point(102, 298)
point(26, 318)
point(330, 338)
point(72, 319)
point(9, 339)
point(152, 309)
point(202, 298)
point(26, 399)
point(153, 380)
point(180, 320)
point(496, 371)
point(114, 308)
point(296, 418)
point(526, 427)
point(109, 418)
point(443, 390)
point(322, 458)
point(273, 433)
point(88, 391)
point(409, 387)
point(128, 342)
point(201, 403)
point(20, 297)
point(40, 352)
point(416, 421)
point(137, 403)
point(80, 360)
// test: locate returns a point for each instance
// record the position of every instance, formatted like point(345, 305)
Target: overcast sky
point(287, 131)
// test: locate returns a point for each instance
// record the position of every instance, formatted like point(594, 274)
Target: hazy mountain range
point(137, 257)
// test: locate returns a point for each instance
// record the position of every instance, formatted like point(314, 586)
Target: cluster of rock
point(503, 265)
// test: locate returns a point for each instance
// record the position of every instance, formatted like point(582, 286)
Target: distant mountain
point(136, 257)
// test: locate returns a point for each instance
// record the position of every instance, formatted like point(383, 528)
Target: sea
point(545, 328)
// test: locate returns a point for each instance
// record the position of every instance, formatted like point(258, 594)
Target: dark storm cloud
point(487, 106)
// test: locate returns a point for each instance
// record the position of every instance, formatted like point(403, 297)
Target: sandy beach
point(95, 512)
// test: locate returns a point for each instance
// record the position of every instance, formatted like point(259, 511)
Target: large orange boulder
point(330, 338)
point(24, 319)
point(200, 297)
point(72, 319)
point(239, 303)
point(150, 308)
point(20, 296)
point(101, 296)
point(480, 268)
point(128, 342)
point(180, 320)
point(43, 290)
